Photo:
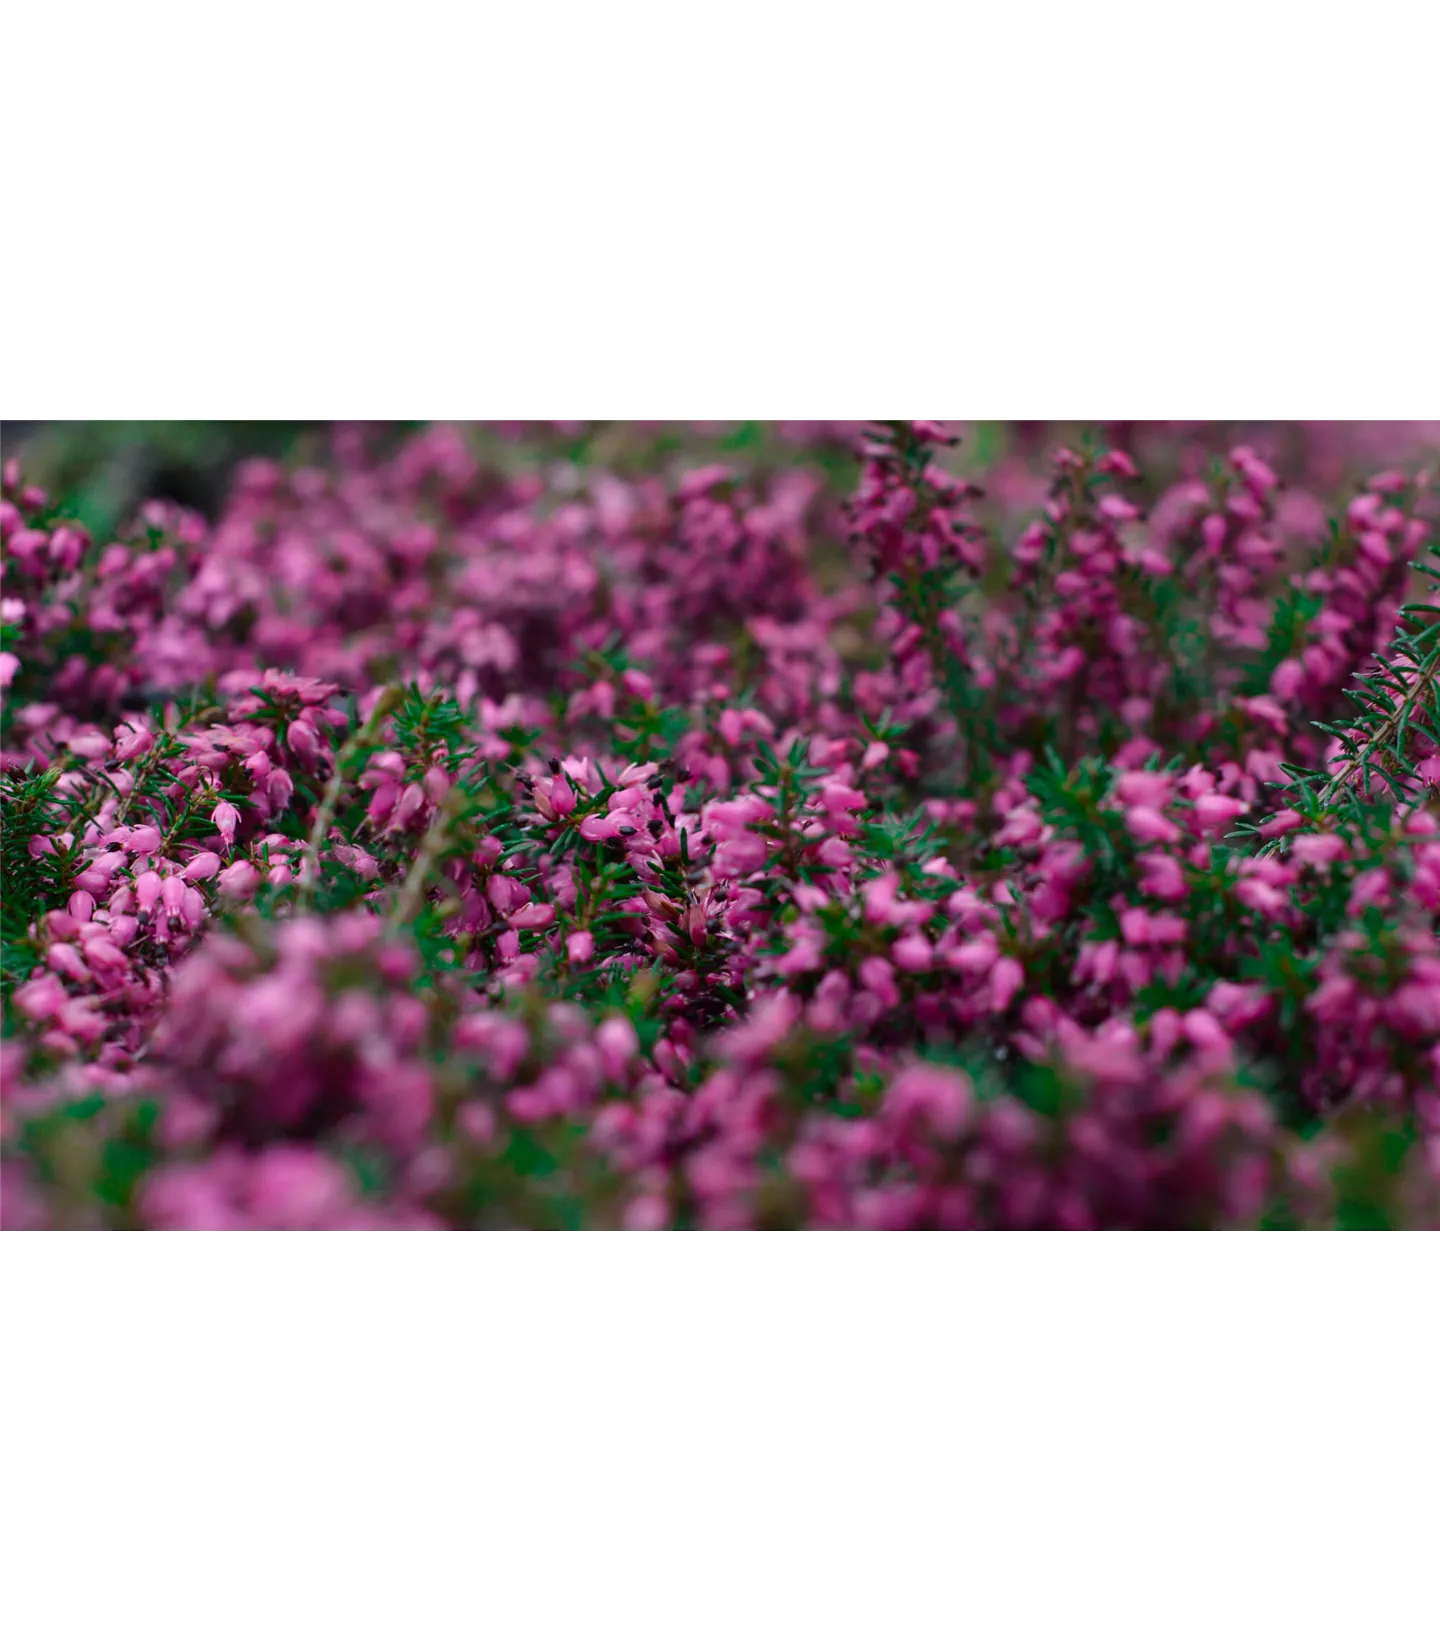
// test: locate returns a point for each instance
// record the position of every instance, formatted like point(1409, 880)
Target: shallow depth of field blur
point(104, 471)
point(774, 824)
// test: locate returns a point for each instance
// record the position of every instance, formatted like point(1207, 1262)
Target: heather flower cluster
point(839, 836)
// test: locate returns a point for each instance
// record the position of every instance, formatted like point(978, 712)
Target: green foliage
point(30, 883)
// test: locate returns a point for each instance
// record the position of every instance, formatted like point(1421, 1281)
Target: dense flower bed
point(431, 842)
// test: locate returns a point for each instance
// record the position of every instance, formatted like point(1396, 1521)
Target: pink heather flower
point(1374, 548)
point(934, 431)
point(1098, 961)
point(80, 1018)
point(67, 545)
point(881, 897)
point(42, 998)
point(913, 953)
point(382, 802)
point(410, 806)
point(95, 878)
point(1273, 872)
point(94, 745)
point(1147, 825)
point(202, 867)
point(302, 738)
point(740, 856)
point(838, 798)
point(505, 893)
point(836, 854)
point(226, 818)
point(649, 1212)
point(580, 946)
point(1205, 1031)
point(696, 483)
point(725, 821)
point(65, 959)
point(618, 1044)
point(1213, 812)
point(477, 1121)
point(938, 1097)
point(1030, 546)
point(878, 976)
point(1022, 827)
point(1323, 848)
point(1166, 928)
point(1369, 888)
point(975, 956)
point(1237, 1006)
point(1119, 463)
point(295, 1188)
point(1278, 824)
point(1163, 878)
point(436, 785)
point(1006, 978)
point(1260, 896)
point(1165, 1031)
point(562, 795)
point(281, 1014)
point(103, 954)
point(531, 915)
point(1144, 789)
point(239, 881)
point(1135, 926)
point(134, 741)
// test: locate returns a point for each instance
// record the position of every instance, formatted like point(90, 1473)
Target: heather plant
point(526, 828)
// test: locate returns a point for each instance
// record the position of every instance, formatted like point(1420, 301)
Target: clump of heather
point(785, 840)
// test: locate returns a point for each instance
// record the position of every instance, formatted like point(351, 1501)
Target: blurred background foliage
point(100, 472)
